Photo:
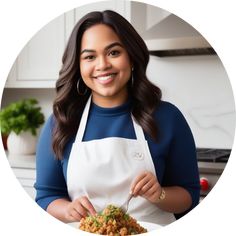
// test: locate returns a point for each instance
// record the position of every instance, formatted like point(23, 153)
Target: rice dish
point(111, 221)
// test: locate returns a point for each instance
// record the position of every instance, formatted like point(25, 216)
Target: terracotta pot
point(4, 140)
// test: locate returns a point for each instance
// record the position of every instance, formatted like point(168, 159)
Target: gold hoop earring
point(84, 89)
point(132, 76)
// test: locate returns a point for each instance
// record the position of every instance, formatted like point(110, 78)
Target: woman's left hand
point(147, 186)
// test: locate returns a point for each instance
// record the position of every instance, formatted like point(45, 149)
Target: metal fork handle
point(129, 198)
point(126, 205)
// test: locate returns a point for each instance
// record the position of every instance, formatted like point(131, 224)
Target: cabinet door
point(26, 177)
point(39, 62)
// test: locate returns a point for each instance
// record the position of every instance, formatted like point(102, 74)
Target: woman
point(111, 135)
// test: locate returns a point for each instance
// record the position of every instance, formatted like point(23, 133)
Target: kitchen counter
point(22, 161)
point(23, 167)
point(210, 173)
point(211, 167)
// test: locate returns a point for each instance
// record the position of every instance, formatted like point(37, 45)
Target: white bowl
point(147, 225)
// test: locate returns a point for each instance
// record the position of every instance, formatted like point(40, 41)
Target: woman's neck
point(110, 101)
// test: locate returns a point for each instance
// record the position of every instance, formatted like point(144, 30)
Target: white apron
point(104, 169)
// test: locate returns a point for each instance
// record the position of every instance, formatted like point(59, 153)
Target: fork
point(125, 206)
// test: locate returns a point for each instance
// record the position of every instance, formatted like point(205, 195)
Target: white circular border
point(20, 20)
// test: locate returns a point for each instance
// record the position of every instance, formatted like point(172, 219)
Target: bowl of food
point(113, 221)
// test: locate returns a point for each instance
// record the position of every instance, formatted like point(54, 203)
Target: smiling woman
point(111, 133)
point(107, 68)
point(145, 94)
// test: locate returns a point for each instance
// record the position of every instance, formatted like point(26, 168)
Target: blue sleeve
point(50, 182)
point(181, 166)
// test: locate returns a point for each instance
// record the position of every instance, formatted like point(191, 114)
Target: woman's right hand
point(79, 208)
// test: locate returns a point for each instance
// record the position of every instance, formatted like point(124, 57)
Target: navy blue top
point(174, 155)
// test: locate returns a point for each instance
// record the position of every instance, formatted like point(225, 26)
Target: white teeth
point(103, 78)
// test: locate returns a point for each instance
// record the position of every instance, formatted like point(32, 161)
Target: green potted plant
point(20, 121)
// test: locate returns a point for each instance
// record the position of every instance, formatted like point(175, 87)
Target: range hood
point(175, 37)
point(166, 34)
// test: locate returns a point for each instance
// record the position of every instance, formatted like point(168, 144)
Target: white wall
point(200, 88)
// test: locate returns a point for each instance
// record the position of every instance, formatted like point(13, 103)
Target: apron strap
point(83, 121)
point(138, 131)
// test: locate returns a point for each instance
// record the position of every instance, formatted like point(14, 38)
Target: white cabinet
point(42, 54)
point(24, 170)
point(38, 64)
point(26, 177)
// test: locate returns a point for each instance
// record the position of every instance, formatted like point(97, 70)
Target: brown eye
point(89, 57)
point(114, 53)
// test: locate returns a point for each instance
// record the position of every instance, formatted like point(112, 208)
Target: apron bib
point(104, 169)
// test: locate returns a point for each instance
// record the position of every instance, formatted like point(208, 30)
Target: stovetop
point(213, 155)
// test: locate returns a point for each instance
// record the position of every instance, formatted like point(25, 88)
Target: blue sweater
point(174, 155)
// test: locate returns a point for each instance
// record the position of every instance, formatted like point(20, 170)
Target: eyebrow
point(106, 48)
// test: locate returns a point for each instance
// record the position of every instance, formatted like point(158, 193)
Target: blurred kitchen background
point(182, 63)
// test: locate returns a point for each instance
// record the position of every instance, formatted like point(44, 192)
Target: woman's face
point(104, 65)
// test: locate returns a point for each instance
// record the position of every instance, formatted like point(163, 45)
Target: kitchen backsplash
point(197, 85)
point(201, 89)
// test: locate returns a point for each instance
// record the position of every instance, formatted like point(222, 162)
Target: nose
point(103, 63)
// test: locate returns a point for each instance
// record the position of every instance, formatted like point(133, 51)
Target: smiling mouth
point(106, 77)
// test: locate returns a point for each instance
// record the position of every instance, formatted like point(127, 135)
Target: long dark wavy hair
point(68, 105)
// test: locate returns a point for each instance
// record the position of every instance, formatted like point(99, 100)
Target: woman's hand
point(79, 208)
point(146, 185)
